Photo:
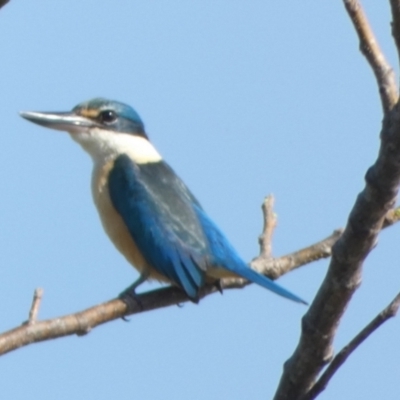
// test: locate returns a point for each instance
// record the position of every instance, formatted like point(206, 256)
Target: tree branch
point(81, 323)
point(270, 222)
point(369, 47)
point(33, 313)
point(366, 219)
point(3, 2)
point(276, 267)
point(389, 312)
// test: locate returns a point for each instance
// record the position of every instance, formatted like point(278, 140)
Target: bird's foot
point(131, 299)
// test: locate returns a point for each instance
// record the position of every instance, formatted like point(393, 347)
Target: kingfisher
point(147, 211)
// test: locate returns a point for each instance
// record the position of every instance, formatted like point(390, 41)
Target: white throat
point(103, 145)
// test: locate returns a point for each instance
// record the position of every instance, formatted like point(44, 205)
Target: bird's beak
point(62, 121)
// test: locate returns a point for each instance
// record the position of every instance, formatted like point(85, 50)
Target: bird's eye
point(108, 116)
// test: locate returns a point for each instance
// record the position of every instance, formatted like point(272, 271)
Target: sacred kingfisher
point(147, 211)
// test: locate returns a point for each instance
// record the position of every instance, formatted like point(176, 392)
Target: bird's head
point(102, 127)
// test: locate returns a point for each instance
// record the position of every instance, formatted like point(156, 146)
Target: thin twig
point(389, 312)
point(34, 311)
point(270, 221)
point(370, 48)
point(276, 267)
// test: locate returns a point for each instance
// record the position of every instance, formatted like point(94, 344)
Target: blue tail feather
point(225, 256)
point(263, 281)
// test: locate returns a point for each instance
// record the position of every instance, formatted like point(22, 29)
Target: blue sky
point(242, 99)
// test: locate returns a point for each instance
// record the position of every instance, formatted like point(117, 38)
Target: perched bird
point(147, 211)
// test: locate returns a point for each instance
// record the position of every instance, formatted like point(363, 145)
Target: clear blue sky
point(242, 99)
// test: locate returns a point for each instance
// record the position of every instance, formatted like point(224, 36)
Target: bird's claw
point(219, 286)
point(132, 300)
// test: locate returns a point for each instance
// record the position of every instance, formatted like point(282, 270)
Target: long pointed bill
point(62, 121)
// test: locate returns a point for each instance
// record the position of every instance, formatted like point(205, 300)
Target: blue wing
point(172, 230)
point(156, 208)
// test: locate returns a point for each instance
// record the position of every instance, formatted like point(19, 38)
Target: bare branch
point(37, 298)
point(83, 322)
point(389, 312)
point(320, 323)
point(270, 222)
point(276, 267)
point(370, 48)
point(344, 275)
point(366, 219)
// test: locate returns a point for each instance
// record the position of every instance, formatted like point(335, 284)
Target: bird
point(147, 211)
